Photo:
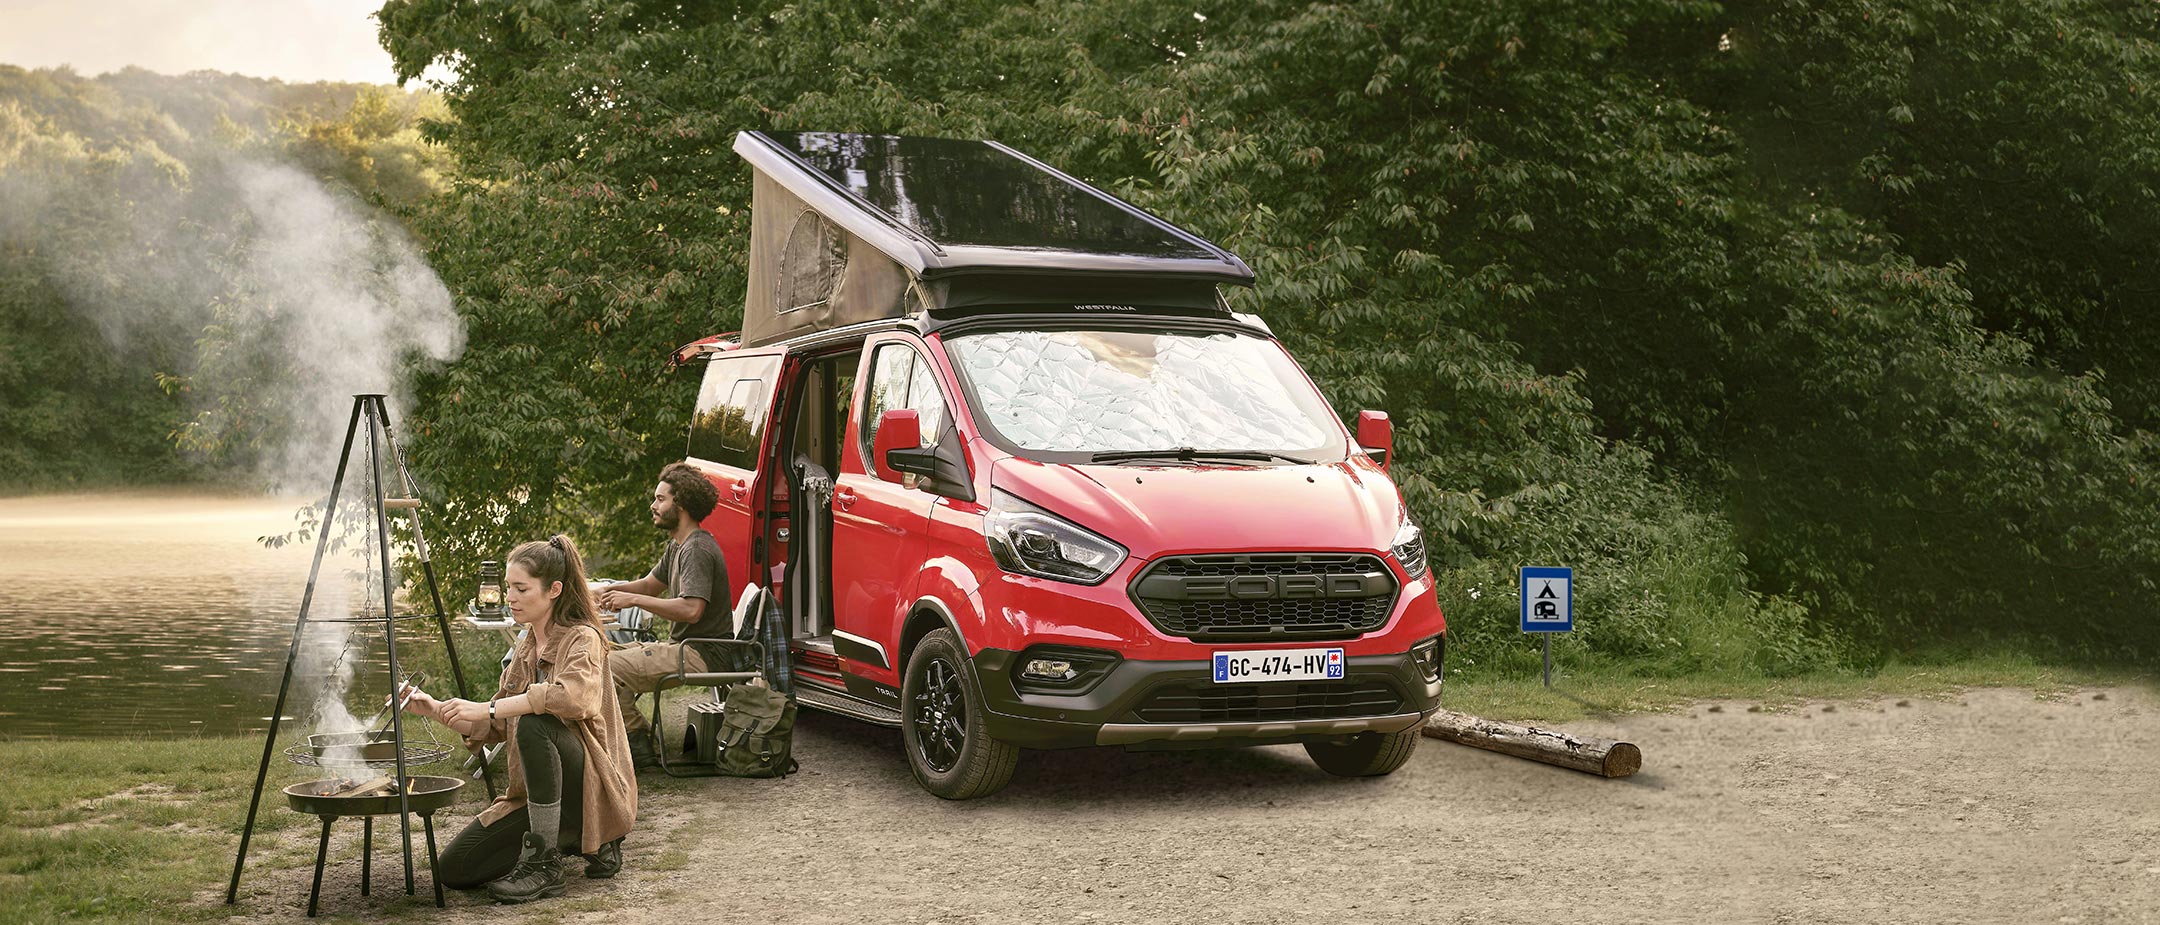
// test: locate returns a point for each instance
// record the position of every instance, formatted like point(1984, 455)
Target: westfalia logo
point(1284, 587)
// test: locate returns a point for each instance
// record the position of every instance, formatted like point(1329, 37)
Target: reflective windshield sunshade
point(1094, 391)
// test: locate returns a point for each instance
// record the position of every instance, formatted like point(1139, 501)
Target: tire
point(941, 724)
point(1366, 754)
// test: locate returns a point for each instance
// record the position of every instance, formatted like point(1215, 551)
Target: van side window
point(730, 420)
point(901, 379)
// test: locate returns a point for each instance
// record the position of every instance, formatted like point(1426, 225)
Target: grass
point(1610, 690)
point(122, 830)
point(139, 830)
point(132, 831)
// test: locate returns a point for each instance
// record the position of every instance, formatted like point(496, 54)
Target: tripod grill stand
point(370, 408)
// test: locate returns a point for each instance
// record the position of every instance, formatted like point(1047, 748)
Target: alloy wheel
point(940, 716)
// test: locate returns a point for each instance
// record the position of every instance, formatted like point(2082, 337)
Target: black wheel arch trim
point(945, 614)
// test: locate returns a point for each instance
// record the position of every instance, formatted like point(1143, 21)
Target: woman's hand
point(418, 703)
point(465, 716)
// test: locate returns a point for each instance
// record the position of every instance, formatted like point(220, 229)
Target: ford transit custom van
point(1022, 480)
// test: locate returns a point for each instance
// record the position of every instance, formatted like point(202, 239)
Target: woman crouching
point(571, 782)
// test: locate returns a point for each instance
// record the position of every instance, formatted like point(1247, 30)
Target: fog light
point(1430, 655)
point(1048, 669)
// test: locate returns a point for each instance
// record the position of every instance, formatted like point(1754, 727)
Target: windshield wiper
point(1188, 454)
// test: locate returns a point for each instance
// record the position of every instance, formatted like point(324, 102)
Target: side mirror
point(1374, 432)
point(899, 429)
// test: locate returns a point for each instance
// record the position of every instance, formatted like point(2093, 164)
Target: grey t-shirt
point(694, 568)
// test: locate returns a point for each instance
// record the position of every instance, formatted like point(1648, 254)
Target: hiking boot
point(603, 863)
point(538, 874)
point(642, 753)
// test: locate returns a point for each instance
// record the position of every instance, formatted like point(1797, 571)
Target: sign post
point(1548, 605)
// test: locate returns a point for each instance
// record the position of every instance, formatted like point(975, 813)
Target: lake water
point(158, 615)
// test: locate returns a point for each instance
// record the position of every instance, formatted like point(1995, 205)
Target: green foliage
point(137, 329)
point(1660, 588)
point(1804, 332)
point(73, 411)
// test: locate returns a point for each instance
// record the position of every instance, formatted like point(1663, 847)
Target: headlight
point(1028, 540)
point(1410, 549)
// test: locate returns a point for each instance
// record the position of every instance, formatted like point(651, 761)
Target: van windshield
point(1111, 395)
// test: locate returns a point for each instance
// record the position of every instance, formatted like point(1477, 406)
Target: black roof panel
point(962, 203)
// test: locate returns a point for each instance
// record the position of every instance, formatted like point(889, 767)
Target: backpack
point(757, 733)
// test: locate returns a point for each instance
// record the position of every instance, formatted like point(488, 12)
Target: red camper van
point(1021, 479)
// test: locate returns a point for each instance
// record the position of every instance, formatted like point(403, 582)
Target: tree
point(1564, 243)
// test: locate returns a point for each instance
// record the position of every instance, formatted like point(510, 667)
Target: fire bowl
point(428, 794)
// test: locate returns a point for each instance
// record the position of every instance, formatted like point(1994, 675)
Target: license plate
point(1278, 665)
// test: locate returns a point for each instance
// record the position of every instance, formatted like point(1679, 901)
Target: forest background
point(1813, 335)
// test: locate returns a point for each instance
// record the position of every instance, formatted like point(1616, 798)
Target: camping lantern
point(490, 598)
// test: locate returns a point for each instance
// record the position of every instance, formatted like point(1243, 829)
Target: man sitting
point(681, 588)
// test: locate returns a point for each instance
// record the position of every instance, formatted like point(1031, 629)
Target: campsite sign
point(1548, 605)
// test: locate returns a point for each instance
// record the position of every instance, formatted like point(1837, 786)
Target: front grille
point(1329, 595)
point(1204, 702)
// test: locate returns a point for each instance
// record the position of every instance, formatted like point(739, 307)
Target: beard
point(668, 521)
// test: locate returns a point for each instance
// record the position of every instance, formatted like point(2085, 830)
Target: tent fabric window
point(811, 264)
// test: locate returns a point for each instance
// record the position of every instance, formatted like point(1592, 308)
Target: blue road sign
point(1548, 599)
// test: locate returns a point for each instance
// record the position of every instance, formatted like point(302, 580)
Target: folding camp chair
point(756, 617)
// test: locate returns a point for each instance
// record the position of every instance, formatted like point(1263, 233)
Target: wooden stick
point(1603, 757)
point(359, 788)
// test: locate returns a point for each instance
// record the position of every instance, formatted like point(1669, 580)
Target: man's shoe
point(538, 874)
point(642, 753)
point(603, 863)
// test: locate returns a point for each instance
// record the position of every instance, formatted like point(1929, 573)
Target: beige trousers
point(638, 670)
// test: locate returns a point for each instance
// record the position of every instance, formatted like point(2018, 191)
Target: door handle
point(845, 497)
point(739, 489)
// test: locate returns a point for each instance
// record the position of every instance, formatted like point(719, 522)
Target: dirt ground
point(1992, 806)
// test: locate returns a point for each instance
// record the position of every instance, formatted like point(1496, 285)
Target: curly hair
point(694, 493)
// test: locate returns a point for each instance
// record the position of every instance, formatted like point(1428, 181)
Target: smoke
point(263, 296)
point(346, 298)
point(330, 656)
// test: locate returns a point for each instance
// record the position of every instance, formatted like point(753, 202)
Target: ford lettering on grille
point(1267, 595)
point(1288, 587)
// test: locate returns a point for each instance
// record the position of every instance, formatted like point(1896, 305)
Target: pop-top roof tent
point(850, 228)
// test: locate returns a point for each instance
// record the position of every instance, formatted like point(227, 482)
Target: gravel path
point(1993, 806)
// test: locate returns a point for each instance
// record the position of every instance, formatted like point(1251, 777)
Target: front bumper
point(1177, 704)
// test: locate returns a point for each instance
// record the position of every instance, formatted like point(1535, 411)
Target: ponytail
point(556, 559)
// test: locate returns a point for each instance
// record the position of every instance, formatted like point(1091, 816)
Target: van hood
point(1156, 510)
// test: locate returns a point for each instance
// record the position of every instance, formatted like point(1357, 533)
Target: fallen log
point(1603, 757)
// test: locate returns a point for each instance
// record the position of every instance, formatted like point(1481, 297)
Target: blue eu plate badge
point(1245, 667)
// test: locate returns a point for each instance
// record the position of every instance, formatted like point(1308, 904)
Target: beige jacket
point(580, 692)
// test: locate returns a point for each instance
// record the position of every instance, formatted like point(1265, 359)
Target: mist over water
point(141, 614)
point(274, 296)
point(266, 298)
